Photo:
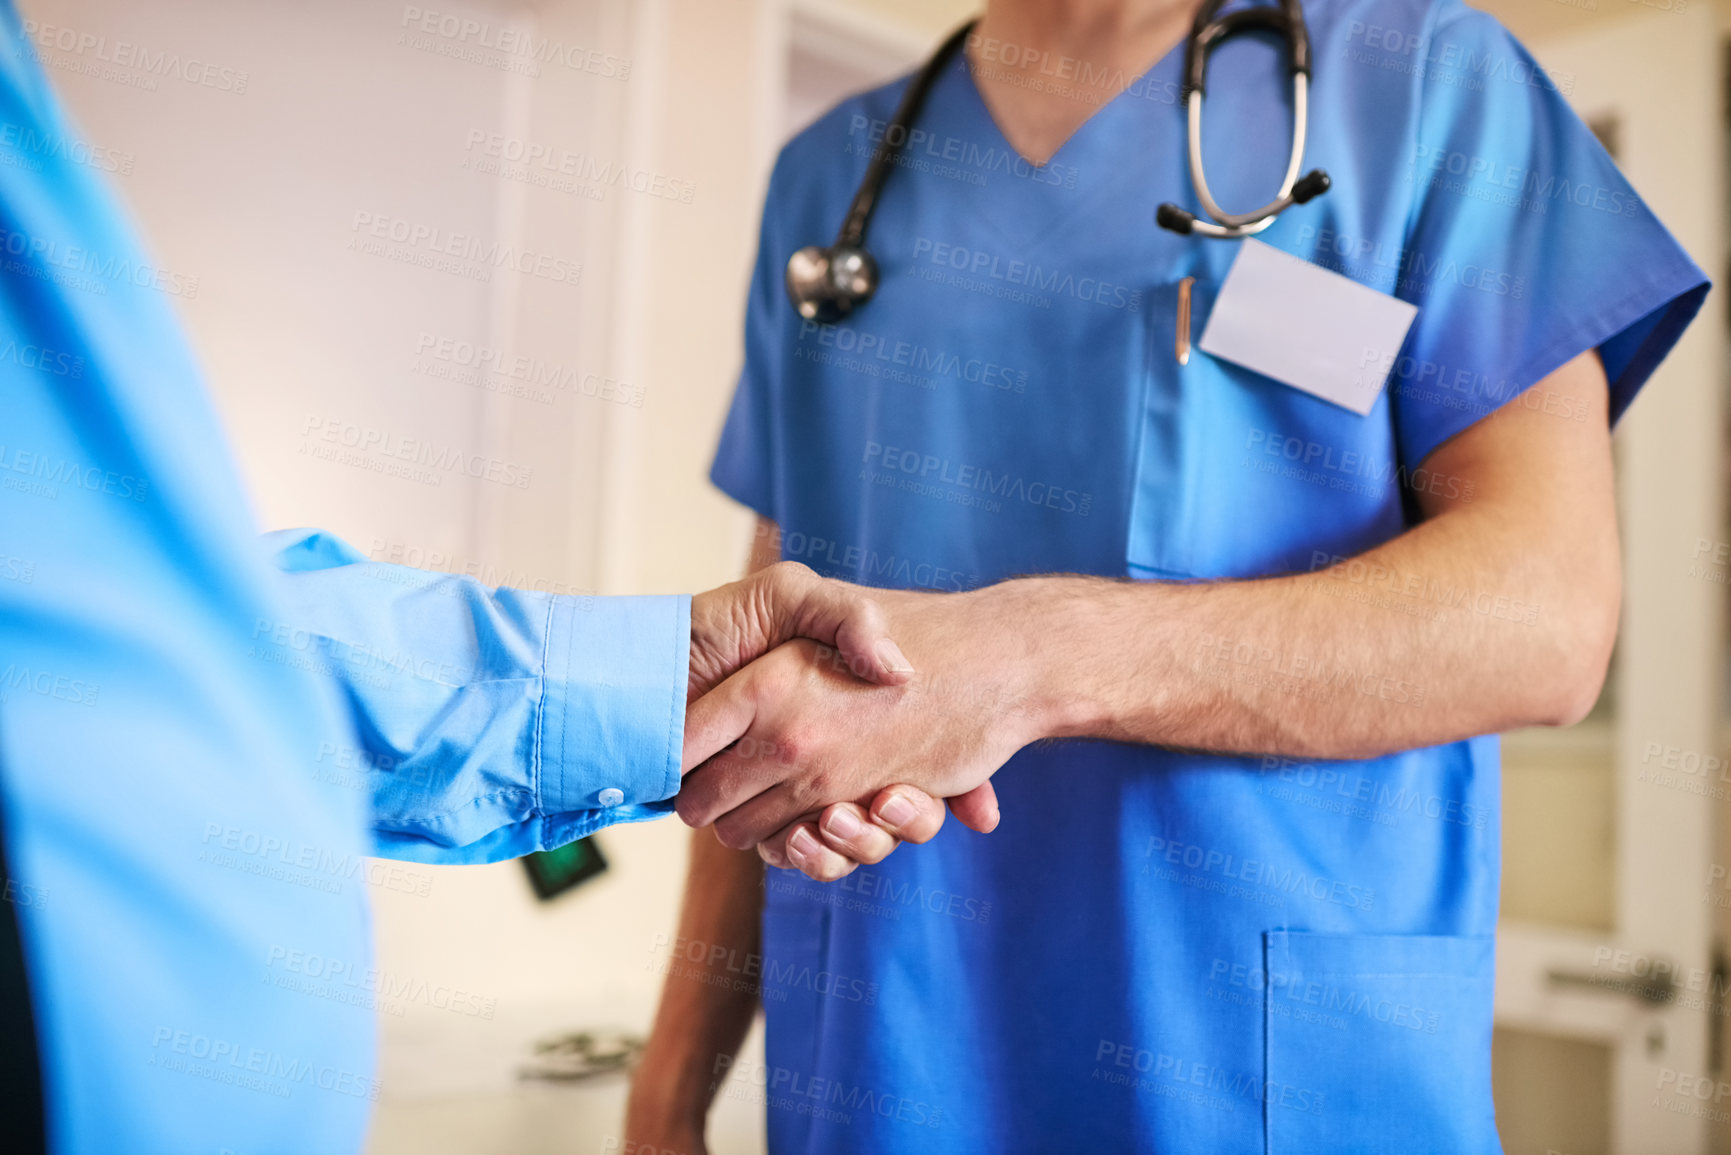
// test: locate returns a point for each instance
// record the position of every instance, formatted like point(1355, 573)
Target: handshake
point(813, 737)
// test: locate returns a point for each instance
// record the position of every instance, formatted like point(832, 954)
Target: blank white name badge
point(1307, 327)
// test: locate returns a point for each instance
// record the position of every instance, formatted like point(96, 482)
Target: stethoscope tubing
point(825, 284)
point(1250, 223)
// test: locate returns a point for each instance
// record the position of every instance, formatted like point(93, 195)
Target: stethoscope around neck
point(1208, 33)
point(825, 284)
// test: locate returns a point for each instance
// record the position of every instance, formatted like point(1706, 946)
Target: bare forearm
point(710, 995)
point(1427, 639)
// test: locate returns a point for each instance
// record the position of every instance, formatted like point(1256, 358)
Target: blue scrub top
point(1166, 951)
point(201, 735)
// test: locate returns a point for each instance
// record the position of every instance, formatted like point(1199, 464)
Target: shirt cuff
point(613, 711)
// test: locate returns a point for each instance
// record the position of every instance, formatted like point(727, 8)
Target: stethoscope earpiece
point(825, 284)
point(1170, 216)
point(1310, 186)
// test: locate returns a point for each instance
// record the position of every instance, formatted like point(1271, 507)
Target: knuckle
point(924, 827)
point(828, 868)
point(687, 806)
point(921, 833)
point(733, 834)
point(788, 747)
point(873, 851)
point(753, 748)
point(816, 789)
point(782, 674)
point(787, 576)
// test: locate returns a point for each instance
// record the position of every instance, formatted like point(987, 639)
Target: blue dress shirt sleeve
point(488, 723)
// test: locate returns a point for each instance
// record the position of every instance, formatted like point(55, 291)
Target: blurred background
point(327, 127)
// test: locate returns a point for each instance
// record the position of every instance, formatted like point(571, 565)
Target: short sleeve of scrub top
point(1527, 246)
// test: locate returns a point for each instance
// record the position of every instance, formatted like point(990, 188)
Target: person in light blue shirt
point(1235, 654)
point(203, 735)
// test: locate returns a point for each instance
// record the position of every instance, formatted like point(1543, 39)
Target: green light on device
point(553, 872)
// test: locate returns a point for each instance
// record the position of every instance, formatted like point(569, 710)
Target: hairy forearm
point(705, 1010)
point(1435, 636)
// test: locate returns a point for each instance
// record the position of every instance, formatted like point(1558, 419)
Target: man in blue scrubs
point(197, 731)
point(1246, 895)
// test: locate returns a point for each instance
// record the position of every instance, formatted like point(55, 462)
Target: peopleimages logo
point(1402, 268)
point(254, 1068)
point(582, 168)
point(28, 140)
point(424, 460)
point(1146, 1070)
point(1068, 76)
point(1497, 181)
point(42, 359)
point(369, 987)
point(1353, 787)
point(875, 354)
point(1285, 879)
point(919, 149)
point(47, 258)
point(987, 268)
point(40, 473)
point(465, 32)
point(1460, 65)
point(432, 243)
point(803, 1093)
point(836, 559)
point(965, 483)
point(469, 364)
point(15, 678)
point(122, 54)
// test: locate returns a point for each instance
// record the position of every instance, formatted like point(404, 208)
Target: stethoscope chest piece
point(825, 284)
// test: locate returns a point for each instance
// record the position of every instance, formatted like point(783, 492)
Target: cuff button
point(612, 796)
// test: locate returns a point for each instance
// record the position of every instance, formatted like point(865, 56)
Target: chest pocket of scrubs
point(1378, 1043)
point(1238, 475)
point(1161, 542)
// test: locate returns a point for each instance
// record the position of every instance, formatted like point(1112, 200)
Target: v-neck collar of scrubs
point(1081, 130)
point(1103, 149)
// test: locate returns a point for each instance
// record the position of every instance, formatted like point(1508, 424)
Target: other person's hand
point(734, 624)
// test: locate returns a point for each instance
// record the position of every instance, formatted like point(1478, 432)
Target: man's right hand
point(739, 623)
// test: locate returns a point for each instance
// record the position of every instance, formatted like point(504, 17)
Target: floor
point(451, 1088)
